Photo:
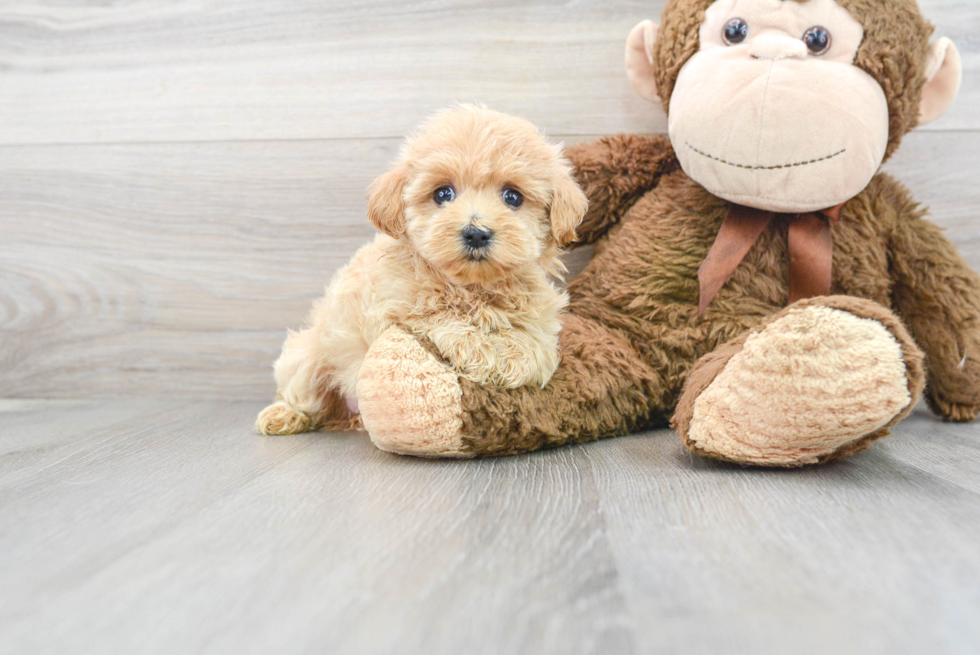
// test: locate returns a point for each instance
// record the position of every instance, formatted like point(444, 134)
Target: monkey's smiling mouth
point(765, 168)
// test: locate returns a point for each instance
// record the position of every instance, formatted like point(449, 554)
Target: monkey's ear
point(944, 73)
point(386, 204)
point(639, 60)
point(568, 207)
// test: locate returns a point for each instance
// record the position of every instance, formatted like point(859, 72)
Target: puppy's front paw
point(522, 360)
point(280, 418)
point(468, 351)
point(513, 369)
point(508, 358)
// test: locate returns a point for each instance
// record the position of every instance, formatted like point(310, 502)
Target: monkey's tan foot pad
point(280, 418)
point(821, 380)
point(410, 402)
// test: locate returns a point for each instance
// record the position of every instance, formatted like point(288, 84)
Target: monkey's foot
point(280, 418)
point(410, 402)
point(819, 381)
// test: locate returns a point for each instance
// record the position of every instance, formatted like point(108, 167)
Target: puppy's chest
point(486, 310)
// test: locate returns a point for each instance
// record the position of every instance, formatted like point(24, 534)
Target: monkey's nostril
point(476, 237)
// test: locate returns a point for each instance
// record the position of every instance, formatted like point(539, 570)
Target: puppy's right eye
point(444, 194)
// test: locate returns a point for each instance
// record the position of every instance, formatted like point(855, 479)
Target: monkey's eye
point(736, 31)
point(444, 194)
point(817, 40)
point(512, 198)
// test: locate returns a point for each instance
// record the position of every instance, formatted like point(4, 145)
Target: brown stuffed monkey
point(755, 277)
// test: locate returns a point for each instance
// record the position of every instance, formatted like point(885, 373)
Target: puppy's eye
point(444, 194)
point(512, 198)
point(735, 32)
point(817, 40)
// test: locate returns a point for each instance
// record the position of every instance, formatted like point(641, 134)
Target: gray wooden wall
point(179, 178)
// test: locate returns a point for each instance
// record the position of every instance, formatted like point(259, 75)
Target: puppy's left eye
point(512, 198)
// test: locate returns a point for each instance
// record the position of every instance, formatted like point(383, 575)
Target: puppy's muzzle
point(476, 239)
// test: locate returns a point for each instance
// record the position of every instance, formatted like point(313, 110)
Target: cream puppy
point(473, 216)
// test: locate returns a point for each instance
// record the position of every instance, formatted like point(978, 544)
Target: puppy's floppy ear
point(568, 206)
point(386, 202)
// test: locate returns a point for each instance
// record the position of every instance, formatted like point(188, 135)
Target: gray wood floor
point(168, 527)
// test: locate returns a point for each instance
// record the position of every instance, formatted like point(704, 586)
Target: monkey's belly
point(643, 277)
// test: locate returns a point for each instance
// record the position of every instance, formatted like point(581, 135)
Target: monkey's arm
point(938, 297)
point(614, 172)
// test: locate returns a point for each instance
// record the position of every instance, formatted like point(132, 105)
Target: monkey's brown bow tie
point(811, 250)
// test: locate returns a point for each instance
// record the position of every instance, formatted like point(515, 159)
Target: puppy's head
point(479, 194)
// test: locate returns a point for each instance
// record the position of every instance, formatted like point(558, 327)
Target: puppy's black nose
point(476, 237)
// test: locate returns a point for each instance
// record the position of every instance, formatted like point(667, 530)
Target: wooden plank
point(30, 445)
point(172, 268)
point(95, 482)
point(947, 451)
point(190, 533)
point(176, 268)
point(196, 534)
point(873, 554)
point(247, 70)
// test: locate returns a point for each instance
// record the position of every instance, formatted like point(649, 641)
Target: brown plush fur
point(634, 333)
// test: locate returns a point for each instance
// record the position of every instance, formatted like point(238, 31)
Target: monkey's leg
point(819, 381)
point(414, 404)
point(938, 296)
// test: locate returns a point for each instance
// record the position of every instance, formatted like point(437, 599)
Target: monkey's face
point(772, 113)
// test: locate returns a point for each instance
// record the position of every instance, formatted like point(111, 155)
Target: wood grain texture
point(856, 557)
point(159, 527)
point(198, 70)
point(175, 269)
point(171, 268)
